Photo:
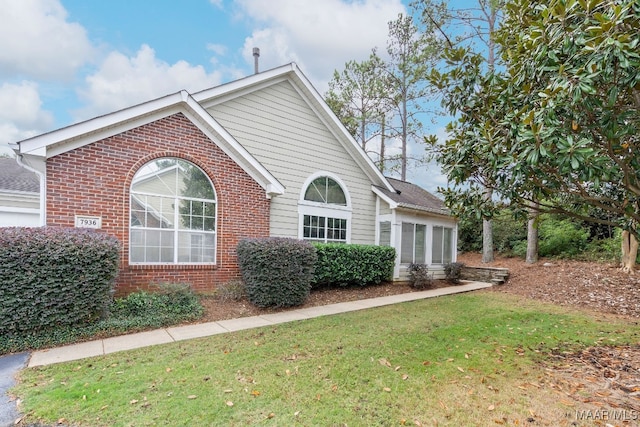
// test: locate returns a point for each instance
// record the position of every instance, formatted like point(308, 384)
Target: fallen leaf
point(271, 415)
point(133, 401)
point(192, 396)
point(491, 407)
point(405, 377)
point(295, 414)
point(460, 369)
point(387, 389)
point(384, 362)
point(227, 391)
point(426, 363)
point(168, 369)
point(255, 393)
point(229, 403)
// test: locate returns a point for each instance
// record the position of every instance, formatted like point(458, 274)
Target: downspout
point(43, 188)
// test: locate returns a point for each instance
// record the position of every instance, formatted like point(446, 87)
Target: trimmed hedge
point(52, 277)
point(276, 271)
point(346, 265)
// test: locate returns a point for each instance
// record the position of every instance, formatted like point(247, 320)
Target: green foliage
point(508, 232)
point(52, 277)
point(276, 271)
point(561, 238)
point(470, 233)
point(168, 304)
point(346, 265)
point(558, 121)
point(164, 301)
point(419, 276)
point(452, 271)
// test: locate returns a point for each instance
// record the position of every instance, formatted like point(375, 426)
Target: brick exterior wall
point(95, 180)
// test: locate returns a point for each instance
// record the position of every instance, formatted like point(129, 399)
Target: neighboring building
point(181, 179)
point(19, 195)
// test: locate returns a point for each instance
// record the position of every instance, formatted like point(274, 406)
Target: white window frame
point(425, 241)
point(326, 210)
point(175, 228)
point(442, 259)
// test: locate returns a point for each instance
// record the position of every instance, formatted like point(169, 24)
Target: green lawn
point(464, 360)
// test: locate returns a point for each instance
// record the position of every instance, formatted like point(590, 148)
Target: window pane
point(406, 246)
point(317, 190)
point(385, 233)
point(447, 245)
point(168, 195)
point(196, 247)
point(335, 195)
point(325, 190)
point(420, 244)
point(193, 182)
point(436, 251)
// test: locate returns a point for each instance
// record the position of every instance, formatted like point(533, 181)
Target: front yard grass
point(469, 359)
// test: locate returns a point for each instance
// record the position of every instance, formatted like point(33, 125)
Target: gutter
point(43, 187)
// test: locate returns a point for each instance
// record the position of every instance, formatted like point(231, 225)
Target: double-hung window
point(172, 214)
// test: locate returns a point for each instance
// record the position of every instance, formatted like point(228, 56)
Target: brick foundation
point(95, 180)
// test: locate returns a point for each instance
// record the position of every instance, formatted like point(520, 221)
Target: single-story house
point(181, 179)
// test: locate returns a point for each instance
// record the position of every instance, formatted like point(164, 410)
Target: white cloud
point(21, 114)
point(319, 35)
point(123, 81)
point(36, 40)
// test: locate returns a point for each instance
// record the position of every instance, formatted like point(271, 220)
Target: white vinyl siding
point(277, 126)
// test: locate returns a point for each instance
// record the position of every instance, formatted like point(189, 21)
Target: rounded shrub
point(52, 277)
point(277, 272)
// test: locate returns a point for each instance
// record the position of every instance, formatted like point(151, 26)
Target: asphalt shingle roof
point(412, 196)
point(13, 177)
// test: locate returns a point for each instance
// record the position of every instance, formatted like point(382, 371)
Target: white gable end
point(283, 131)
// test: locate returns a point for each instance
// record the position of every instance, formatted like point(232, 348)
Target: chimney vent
point(256, 56)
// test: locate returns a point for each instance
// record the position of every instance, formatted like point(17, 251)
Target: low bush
point(52, 277)
point(419, 276)
point(233, 290)
point(163, 304)
point(452, 271)
point(277, 272)
point(170, 304)
point(346, 265)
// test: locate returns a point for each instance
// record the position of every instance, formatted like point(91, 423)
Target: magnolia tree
point(556, 130)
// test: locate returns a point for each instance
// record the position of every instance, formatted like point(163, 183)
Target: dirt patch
point(221, 310)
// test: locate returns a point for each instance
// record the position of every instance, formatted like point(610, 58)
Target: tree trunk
point(532, 236)
point(382, 142)
point(629, 251)
point(487, 234)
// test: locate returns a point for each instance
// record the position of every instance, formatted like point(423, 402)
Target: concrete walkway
point(179, 333)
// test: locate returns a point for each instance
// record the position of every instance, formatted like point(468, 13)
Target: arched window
point(325, 211)
point(173, 214)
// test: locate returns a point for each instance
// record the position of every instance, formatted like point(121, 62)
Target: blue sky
point(64, 61)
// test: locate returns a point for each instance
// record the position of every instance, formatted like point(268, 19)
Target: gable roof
point(77, 135)
point(15, 178)
point(411, 196)
point(291, 73)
